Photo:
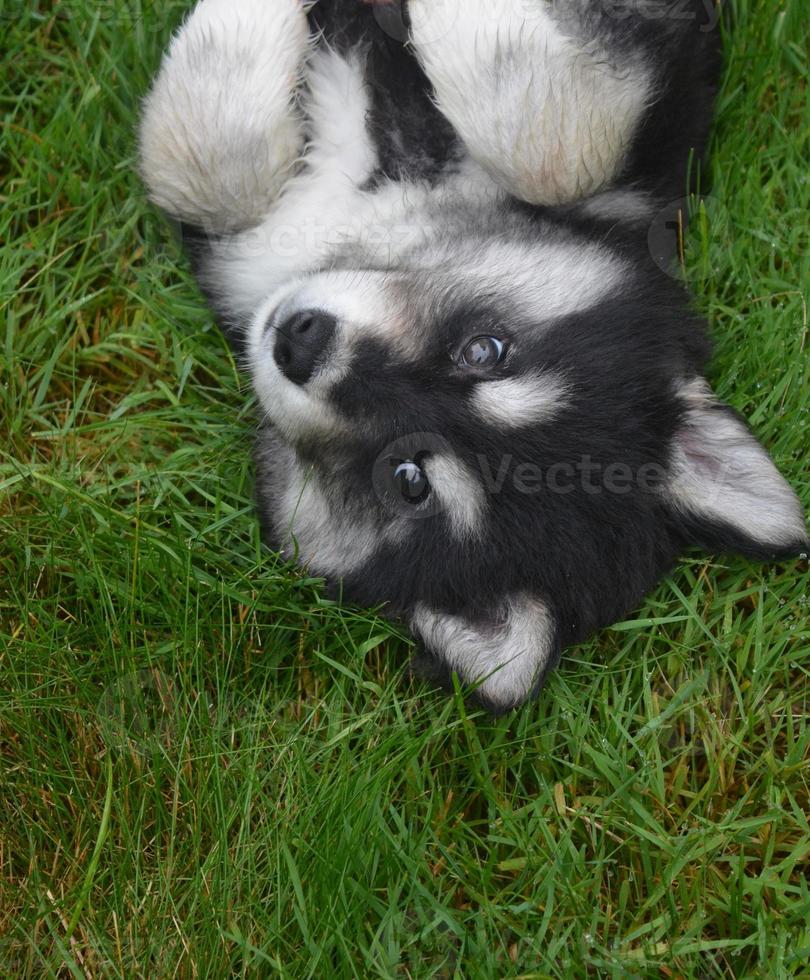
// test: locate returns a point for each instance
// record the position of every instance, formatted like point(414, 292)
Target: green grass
point(208, 770)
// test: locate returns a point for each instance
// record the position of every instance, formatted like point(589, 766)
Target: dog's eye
point(411, 482)
point(483, 352)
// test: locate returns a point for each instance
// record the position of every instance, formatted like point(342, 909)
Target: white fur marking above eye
point(506, 658)
point(461, 496)
point(515, 402)
point(546, 281)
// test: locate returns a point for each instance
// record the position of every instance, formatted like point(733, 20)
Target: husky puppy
point(424, 228)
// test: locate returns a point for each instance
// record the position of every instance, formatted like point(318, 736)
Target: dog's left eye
point(411, 482)
point(483, 352)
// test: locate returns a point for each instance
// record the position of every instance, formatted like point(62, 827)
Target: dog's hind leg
point(547, 104)
point(220, 133)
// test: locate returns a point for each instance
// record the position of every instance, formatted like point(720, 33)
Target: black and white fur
point(494, 176)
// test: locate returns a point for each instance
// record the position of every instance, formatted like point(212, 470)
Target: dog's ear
point(505, 654)
point(723, 486)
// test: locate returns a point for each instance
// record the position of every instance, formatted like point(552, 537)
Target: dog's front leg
point(548, 113)
point(220, 132)
point(323, 209)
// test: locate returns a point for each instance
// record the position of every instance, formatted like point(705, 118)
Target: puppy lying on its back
point(482, 402)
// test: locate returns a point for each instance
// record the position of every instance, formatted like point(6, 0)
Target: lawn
point(209, 770)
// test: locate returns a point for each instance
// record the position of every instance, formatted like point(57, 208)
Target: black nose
point(302, 343)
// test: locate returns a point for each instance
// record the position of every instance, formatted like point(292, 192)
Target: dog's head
point(507, 439)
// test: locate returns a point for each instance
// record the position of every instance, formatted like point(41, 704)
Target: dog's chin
point(298, 414)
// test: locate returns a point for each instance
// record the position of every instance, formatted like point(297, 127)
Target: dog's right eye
point(411, 482)
point(483, 352)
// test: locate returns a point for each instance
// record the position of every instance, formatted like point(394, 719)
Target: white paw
point(545, 114)
point(220, 132)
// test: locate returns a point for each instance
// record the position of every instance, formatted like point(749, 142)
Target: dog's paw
point(548, 115)
point(220, 132)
